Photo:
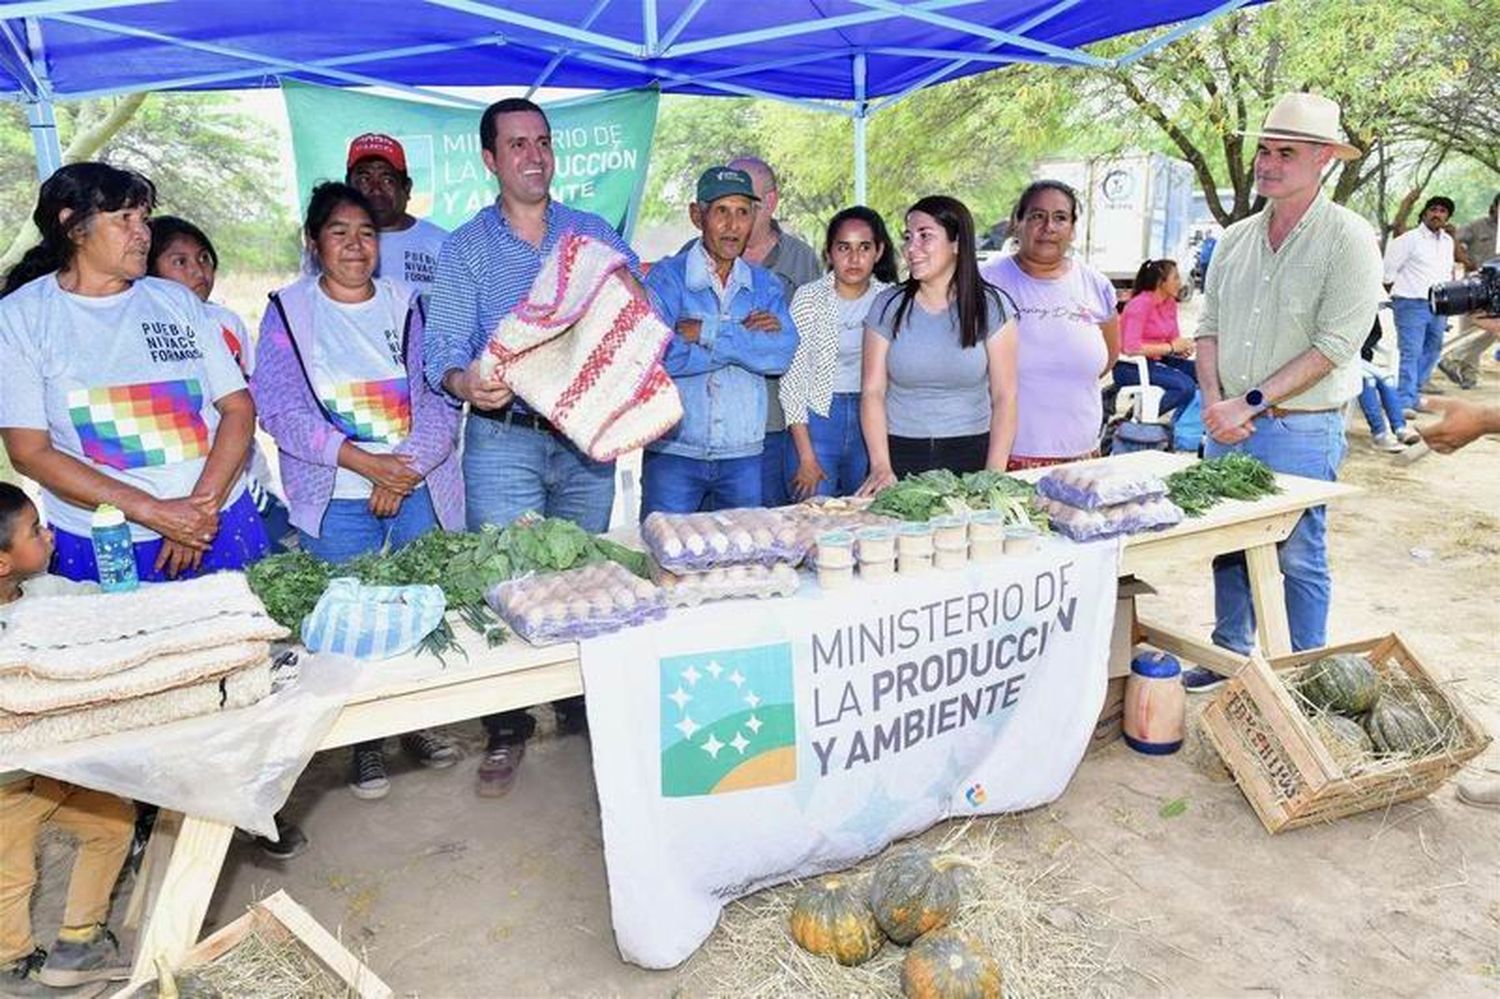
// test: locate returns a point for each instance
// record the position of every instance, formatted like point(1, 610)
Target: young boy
point(85, 950)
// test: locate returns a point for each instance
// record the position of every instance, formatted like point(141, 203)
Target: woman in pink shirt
point(1148, 328)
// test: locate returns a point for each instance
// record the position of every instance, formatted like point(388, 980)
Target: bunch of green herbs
point(1198, 488)
point(930, 494)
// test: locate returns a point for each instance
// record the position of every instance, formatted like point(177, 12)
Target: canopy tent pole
point(39, 116)
point(861, 117)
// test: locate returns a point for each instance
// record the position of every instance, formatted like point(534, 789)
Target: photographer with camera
point(1473, 243)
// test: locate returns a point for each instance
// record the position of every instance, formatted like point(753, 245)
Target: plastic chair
point(1140, 403)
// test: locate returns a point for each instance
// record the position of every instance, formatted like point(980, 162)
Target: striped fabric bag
point(372, 622)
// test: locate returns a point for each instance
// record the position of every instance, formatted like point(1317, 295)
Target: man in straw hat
point(1290, 298)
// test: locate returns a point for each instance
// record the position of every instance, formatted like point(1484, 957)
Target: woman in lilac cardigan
point(367, 449)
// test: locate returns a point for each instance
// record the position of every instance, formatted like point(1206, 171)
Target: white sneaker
point(1387, 442)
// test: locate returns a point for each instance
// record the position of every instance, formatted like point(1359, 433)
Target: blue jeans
point(1419, 332)
point(1381, 402)
point(350, 529)
point(839, 445)
point(1307, 444)
point(510, 469)
point(674, 484)
point(1175, 376)
point(775, 483)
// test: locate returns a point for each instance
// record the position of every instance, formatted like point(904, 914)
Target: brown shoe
point(1480, 793)
point(498, 769)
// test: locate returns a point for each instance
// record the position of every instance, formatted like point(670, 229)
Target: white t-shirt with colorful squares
point(358, 370)
point(124, 383)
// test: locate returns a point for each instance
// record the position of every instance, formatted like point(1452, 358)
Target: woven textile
point(21, 693)
point(94, 635)
point(584, 349)
point(237, 690)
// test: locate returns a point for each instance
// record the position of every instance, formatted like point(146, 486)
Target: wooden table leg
point(1268, 597)
point(175, 915)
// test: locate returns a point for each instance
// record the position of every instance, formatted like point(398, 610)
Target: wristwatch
point(1256, 400)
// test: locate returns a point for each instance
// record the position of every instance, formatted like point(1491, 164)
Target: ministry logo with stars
point(728, 721)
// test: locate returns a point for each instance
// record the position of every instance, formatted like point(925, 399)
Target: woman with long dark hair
point(367, 455)
point(1148, 328)
point(939, 380)
point(182, 252)
point(820, 390)
point(1069, 332)
point(117, 388)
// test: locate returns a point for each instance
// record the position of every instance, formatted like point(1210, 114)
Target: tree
point(208, 162)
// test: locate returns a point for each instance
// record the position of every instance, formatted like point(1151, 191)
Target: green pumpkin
point(1397, 728)
point(1345, 683)
point(831, 919)
point(913, 891)
point(947, 964)
point(1346, 741)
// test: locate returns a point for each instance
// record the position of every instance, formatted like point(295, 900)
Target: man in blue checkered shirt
point(514, 461)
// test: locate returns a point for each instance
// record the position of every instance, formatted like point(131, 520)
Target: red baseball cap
point(379, 146)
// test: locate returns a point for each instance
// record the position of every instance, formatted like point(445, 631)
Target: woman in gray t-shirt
point(940, 354)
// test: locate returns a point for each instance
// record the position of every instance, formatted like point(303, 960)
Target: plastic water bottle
point(114, 553)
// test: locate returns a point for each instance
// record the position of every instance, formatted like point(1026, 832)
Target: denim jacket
point(721, 377)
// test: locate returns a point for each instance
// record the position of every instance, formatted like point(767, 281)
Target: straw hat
point(1306, 118)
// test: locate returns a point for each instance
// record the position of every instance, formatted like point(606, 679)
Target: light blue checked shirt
point(484, 269)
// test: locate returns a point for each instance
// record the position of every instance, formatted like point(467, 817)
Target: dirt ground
point(449, 895)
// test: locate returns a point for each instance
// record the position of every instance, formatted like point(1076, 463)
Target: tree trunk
point(85, 145)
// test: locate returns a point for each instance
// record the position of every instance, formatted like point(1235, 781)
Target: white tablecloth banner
point(739, 745)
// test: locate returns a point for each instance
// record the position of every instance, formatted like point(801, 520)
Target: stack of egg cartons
point(1098, 500)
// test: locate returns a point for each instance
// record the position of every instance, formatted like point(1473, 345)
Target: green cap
point(722, 182)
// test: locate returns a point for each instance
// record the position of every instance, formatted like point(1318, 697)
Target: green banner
point(602, 146)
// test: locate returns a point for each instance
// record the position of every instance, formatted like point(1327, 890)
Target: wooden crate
point(1284, 769)
point(278, 917)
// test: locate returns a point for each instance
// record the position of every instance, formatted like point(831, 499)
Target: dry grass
point(1048, 931)
point(263, 966)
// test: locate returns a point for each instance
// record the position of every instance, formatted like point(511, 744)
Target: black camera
point(1479, 292)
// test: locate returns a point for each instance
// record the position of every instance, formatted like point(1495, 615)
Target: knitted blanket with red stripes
point(584, 349)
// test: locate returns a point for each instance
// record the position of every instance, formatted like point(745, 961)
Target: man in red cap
point(408, 246)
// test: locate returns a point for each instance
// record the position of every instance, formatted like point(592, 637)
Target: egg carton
point(576, 603)
point(1151, 514)
point(726, 582)
point(693, 542)
point(1093, 486)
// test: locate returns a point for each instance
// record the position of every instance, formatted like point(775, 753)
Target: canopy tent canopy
point(866, 54)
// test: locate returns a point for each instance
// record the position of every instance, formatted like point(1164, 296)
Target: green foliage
point(929, 494)
point(1419, 83)
point(211, 164)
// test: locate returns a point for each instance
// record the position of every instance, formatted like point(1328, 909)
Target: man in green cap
point(733, 330)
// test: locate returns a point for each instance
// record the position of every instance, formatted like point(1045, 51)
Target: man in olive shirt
point(1289, 300)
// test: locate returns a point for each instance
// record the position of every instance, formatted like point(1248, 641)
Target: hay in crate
point(274, 951)
point(1261, 727)
point(1043, 927)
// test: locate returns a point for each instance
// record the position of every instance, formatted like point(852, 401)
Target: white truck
point(1133, 207)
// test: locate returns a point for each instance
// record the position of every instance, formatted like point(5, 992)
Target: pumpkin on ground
point(1345, 683)
point(1347, 742)
point(914, 891)
point(831, 919)
point(1399, 728)
point(947, 964)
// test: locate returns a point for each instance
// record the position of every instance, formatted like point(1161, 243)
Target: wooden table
point(183, 861)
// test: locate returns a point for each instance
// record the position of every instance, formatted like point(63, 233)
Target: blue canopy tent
point(848, 57)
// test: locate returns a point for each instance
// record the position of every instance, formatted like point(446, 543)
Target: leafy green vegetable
point(289, 585)
point(464, 564)
point(924, 496)
point(1198, 488)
